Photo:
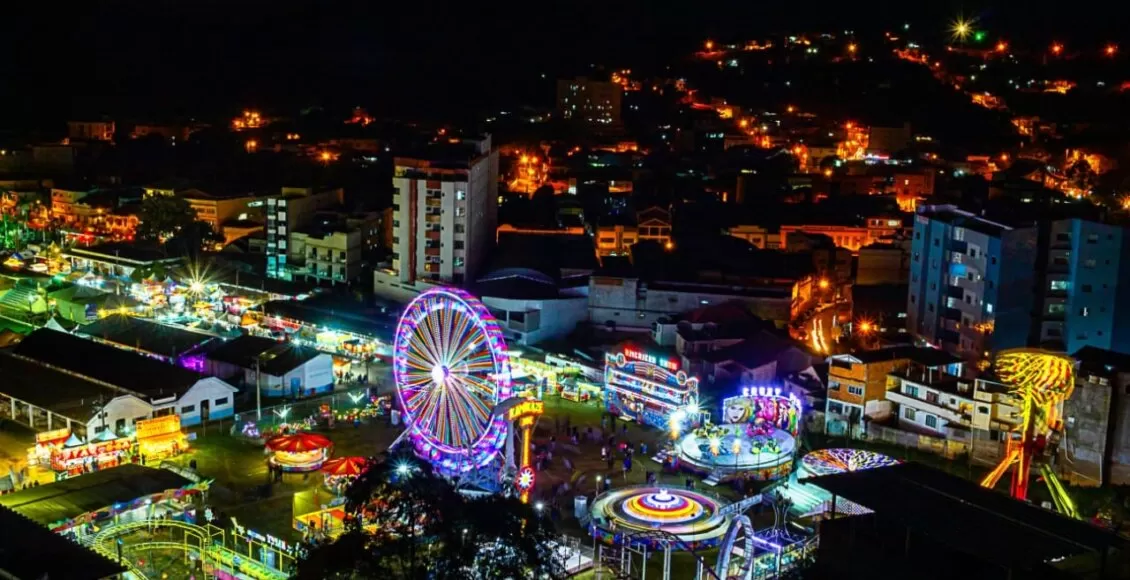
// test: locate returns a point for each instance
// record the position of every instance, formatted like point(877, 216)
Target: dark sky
point(209, 56)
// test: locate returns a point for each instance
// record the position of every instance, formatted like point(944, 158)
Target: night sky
point(177, 57)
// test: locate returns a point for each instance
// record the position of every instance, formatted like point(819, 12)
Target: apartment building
point(971, 282)
point(445, 211)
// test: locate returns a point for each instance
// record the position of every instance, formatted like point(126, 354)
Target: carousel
point(298, 452)
point(341, 471)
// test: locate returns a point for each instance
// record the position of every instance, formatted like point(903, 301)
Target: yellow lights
point(293, 136)
point(827, 173)
point(1004, 157)
point(709, 45)
point(865, 327)
point(524, 159)
point(744, 123)
point(1039, 376)
point(251, 145)
point(960, 29)
point(823, 284)
point(249, 120)
point(326, 156)
point(852, 48)
point(1002, 46)
point(790, 109)
point(669, 246)
point(1110, 50)
point(1057, 48)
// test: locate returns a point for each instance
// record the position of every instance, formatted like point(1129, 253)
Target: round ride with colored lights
point(451, 369)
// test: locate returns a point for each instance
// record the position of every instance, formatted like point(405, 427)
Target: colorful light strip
point(451, 369)
point(830, 461)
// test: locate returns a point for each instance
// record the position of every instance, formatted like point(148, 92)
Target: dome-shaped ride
point(451, 369)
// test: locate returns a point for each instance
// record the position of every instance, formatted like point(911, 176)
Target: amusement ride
point(1041, 381)
point(452, 375)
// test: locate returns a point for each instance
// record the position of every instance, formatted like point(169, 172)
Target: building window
point(983, 410)
point(931, 421)
point(908, 413)
point(458, 228)
point(458, 244)
point(460, 211)
point(838, 409)
point(833, 385)
point(1084, 311)
point(1058, 285)
point(910, 390)
point(188, 409)
point(857, 391)
point(221, 401)
point(458, 262)
point(1086, 288)
point(1089, 263)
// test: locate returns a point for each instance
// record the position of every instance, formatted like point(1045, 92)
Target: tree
point(406, 523)
point(163, 217)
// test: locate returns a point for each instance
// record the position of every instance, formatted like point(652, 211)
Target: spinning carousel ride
point(696, 519)
point(756, 441)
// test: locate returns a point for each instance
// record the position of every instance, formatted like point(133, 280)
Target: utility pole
point(258, 390)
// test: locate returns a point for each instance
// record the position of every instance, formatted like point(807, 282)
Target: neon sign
point(761, 391)
point(651, 359)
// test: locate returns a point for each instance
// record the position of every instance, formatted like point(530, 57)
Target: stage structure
point(649, 389)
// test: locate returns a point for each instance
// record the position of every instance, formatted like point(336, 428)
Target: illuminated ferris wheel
point(451, 369)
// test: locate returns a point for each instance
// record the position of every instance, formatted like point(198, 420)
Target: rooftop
point(334, 314)
point(952, 215)
point(124, 253)
point(31, 552)
point(141, 334)
point(276, 358)
point(961, 515)
point(51, 389)
point(930, 357)
point(123, 369)
point(63, 500)
point(1094, 358)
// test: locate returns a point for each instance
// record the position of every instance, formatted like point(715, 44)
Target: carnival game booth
point(76, 456)
point(160, 438)
point(756, 440)
point(648, 388)
point(299, 452)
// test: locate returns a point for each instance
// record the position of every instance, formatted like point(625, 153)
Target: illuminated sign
point(527, 408)
point(147, 428)
point(651, 359)
point(55, 435)
point(761, 391)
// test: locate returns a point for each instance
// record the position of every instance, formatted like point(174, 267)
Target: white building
point(445, 210)
point(531, 307)
point(280, 369)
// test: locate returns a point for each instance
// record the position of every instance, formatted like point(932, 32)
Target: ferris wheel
point(451, 369)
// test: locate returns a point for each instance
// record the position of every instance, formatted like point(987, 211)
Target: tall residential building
point(588, 101)
point(1086, 289)
point(445, 210)
point(971, 282)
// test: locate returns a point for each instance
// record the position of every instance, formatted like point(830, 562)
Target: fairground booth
point(649, 387)
point(160, 438)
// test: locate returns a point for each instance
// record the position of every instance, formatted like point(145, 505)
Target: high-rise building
point(445, 210)
point(588, 101)
point(1086, 287)
point(972, 282)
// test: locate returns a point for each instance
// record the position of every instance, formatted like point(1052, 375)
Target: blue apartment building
point(972, 282)
point(1086, 290)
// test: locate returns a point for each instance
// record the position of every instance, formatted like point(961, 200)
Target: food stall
point(46, 444)
point(160, 437)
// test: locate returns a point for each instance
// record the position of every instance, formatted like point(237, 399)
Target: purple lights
point(451, 369)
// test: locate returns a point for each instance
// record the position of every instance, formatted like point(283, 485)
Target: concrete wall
point(621, 300)
point(555, 318)
point(220, 398)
